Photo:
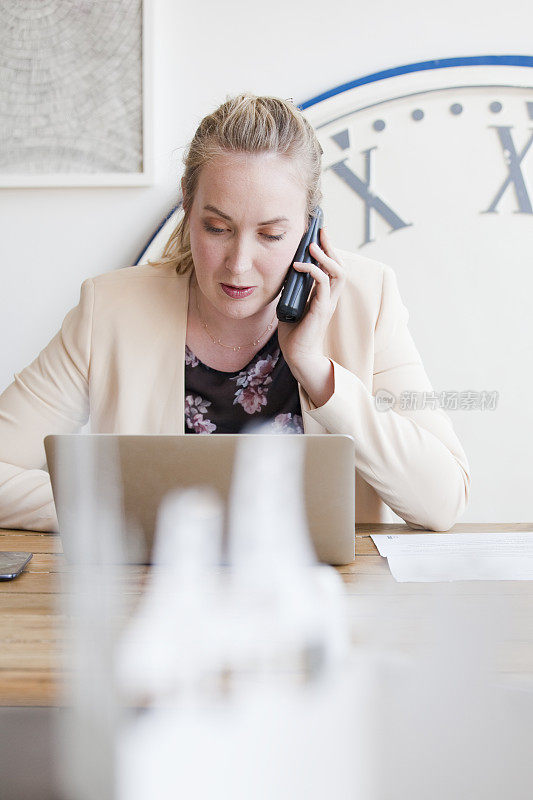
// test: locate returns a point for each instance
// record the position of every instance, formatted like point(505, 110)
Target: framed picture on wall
point(74, 93)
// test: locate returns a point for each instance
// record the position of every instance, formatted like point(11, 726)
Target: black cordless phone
point(297, 285)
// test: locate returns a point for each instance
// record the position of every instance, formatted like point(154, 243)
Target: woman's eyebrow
point(225, 216)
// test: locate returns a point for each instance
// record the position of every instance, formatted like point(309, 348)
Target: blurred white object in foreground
point(292, 606)
point(242, 670)
point(168, 646)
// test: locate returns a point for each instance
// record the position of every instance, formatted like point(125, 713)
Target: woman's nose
point(239, 259)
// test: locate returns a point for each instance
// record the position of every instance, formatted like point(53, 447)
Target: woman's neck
point(247, 332)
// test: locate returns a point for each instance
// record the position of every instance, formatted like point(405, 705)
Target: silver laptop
point(145, 468)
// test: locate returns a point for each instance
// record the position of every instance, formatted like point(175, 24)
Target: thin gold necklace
point(230, 346)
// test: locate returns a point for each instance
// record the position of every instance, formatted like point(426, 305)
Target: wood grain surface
point(380, 611)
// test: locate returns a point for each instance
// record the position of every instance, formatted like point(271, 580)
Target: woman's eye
point(214, 230)
point(269, 236)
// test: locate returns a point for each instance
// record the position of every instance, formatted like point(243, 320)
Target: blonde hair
point(246, 123)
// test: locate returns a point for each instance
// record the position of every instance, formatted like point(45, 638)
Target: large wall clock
point(428, 167)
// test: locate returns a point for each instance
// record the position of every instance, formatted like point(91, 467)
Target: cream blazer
point(119, 358)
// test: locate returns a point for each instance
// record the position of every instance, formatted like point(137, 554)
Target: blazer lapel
point(179, 383)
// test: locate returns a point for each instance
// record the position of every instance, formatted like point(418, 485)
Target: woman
point(192, 343)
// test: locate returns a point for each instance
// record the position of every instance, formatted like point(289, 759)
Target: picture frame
point(143, 175)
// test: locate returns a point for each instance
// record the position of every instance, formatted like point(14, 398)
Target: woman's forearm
point(316, 377)
point(26, 500)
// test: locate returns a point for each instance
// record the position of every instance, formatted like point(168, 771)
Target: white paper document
point(507, 555)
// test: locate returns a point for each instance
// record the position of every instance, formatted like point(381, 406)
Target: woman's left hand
point(302, 342)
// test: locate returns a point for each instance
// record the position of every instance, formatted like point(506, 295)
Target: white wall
point(51, 239)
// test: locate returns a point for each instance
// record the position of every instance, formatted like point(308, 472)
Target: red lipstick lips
point(237, 292)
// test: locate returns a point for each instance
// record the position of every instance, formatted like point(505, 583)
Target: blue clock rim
point(420, 66)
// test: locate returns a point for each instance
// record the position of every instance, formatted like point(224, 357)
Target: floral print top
point(225, 402)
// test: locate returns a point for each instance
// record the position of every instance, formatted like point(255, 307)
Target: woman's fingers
point(327, 246)
point(329, 275)
point(322, 280)
point(332, 264)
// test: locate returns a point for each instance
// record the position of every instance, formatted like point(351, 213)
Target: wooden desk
point(31, 630)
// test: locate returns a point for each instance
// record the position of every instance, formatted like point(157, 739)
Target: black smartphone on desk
point(297, 285)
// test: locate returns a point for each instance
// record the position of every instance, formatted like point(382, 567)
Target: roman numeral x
point(362, 188)
point(513, 160)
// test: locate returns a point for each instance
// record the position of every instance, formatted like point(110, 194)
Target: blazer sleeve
point(51, 395)
point(412, 458)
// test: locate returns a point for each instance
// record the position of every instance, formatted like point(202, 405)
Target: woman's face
point(246, 221)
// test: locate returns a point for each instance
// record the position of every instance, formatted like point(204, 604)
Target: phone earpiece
point(297, 285)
